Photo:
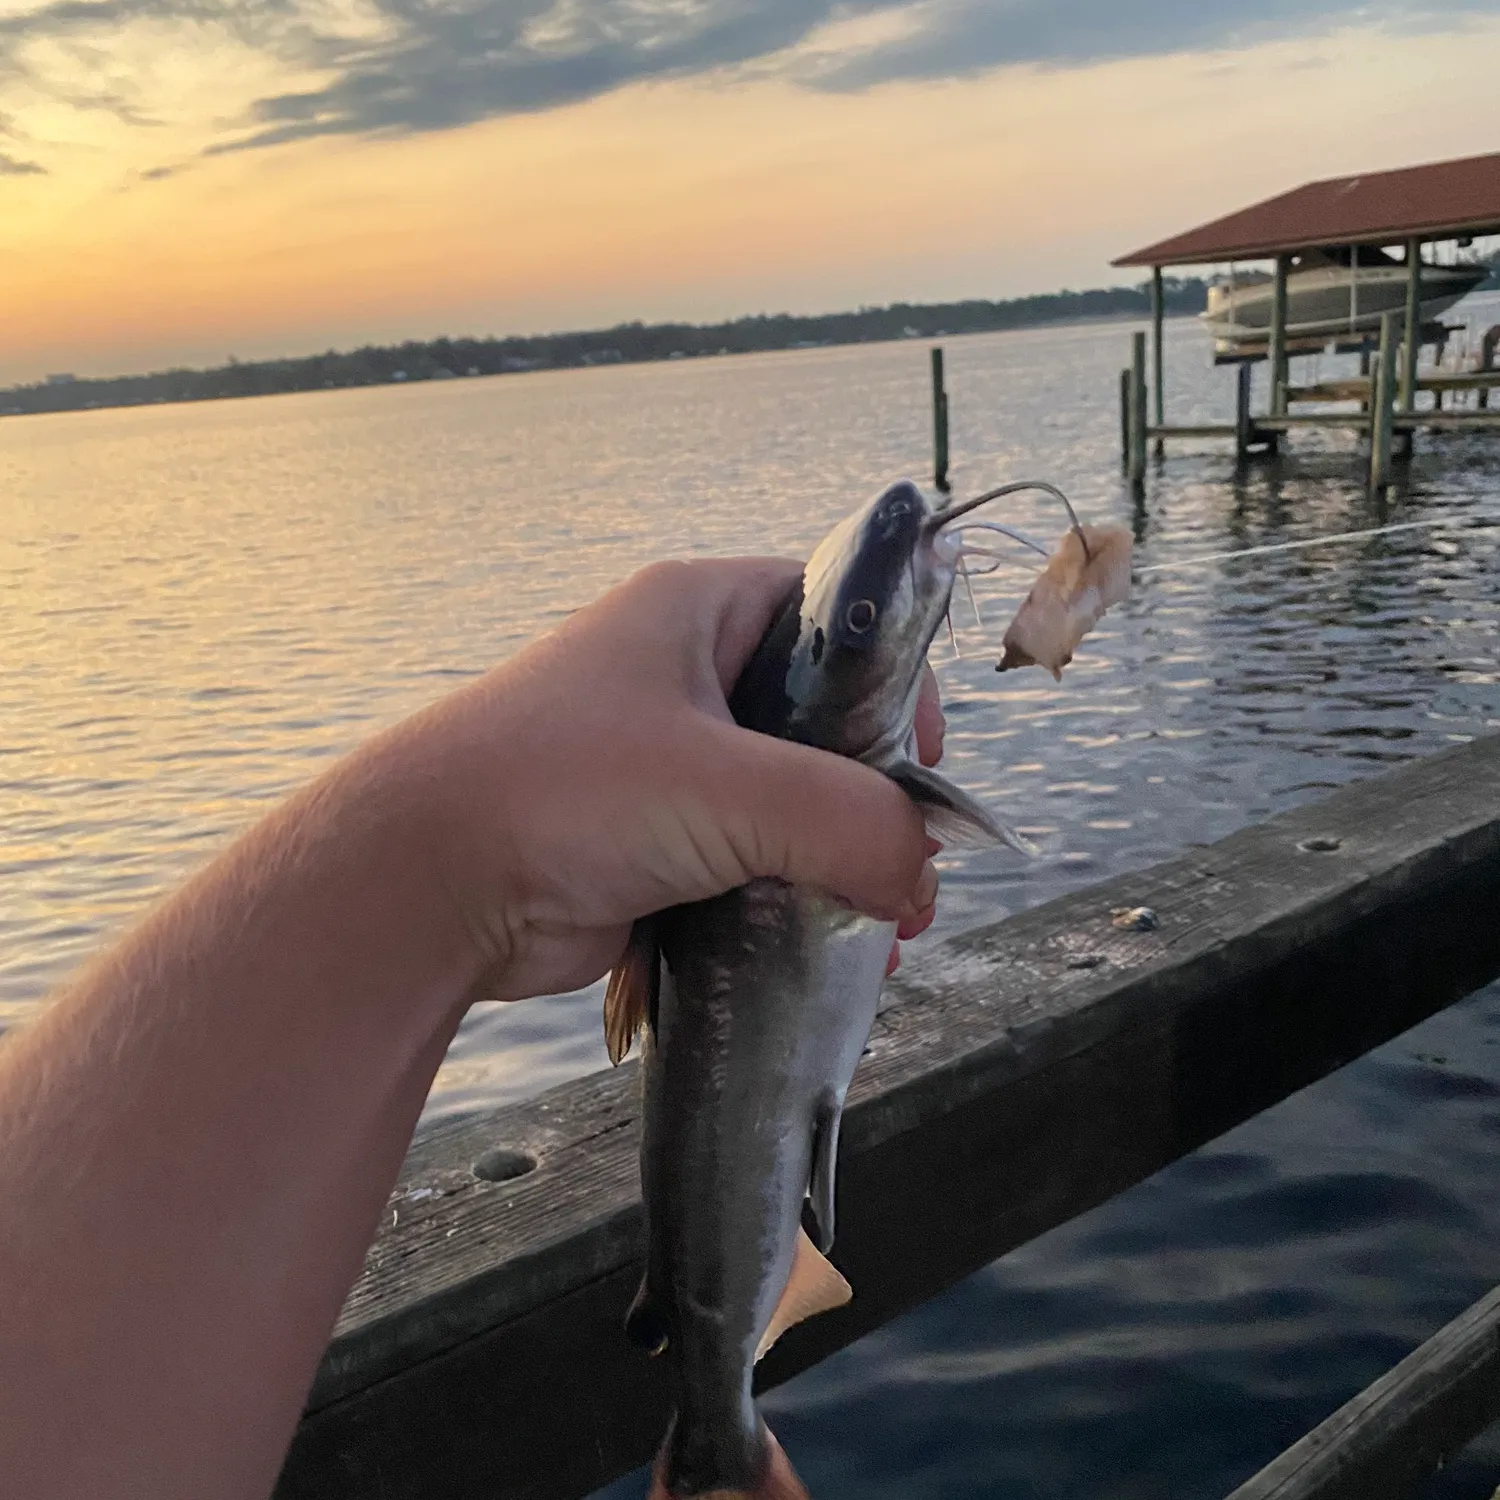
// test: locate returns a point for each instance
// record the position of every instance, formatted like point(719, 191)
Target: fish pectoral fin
point(820, 1188)
point(952, 814)
point(630, 999)
point(645, 1325)
point(815, 1285)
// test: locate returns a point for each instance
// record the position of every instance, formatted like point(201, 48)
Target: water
point(201, 606)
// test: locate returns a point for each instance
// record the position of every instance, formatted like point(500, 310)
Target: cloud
point(11, 166)
point(446, 63)
point(441, 65)
point(381, 67)
point(956, 38)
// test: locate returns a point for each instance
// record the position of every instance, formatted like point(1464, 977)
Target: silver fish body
point(761, 1001)
point(767, 998)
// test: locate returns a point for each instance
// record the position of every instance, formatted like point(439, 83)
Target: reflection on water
point(200, 606)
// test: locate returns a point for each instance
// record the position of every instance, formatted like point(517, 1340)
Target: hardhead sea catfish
point(757, 1005)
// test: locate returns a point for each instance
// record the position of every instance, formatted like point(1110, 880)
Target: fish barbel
point(756, 1006)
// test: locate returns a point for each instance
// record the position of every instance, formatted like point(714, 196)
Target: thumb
point(821, 820)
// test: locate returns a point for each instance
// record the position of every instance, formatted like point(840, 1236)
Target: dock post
point(939, 422)
point(1382, 399)
point(1125, 418)
point(1412, 344)
point(1487, 346)
point(1158, 379)
point(1136, 465)
point(1276, 353)
point(1242, 425)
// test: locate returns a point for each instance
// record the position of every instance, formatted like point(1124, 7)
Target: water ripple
point(202, 605)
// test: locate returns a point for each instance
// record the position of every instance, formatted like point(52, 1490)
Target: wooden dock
point(1403, 1428)
point(1023, 1074)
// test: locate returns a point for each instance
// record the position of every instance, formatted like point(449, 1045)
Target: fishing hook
point(948, 513)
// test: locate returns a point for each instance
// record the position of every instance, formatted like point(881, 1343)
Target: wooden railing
point(1024, 1073)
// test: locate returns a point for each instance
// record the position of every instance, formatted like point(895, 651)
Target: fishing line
point(1437, 523)
point(1446, 522)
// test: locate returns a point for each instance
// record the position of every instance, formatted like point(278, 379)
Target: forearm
point(196, 1142)
point(197, 1139)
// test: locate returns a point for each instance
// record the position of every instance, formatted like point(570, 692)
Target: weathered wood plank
point(939, 422)
point(1244, 428)
point(1357, 388)
point(1383, 404)
point(1411, 326)
point(1276, 351)
point(1189, 430)
point(1027, 1072)
point(1449, 421)
point(1404, 1427)
point(1136, 463)
point(1158, 355)
point(1439, 421)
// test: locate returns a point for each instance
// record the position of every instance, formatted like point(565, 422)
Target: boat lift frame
point(1413, 207)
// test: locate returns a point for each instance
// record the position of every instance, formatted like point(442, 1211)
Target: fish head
point(874, 593)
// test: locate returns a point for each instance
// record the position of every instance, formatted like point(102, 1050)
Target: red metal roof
point(1442, 200)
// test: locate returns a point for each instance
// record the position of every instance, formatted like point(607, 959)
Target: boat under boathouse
point(1368, 263)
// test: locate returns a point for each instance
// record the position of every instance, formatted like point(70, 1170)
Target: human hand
point(247, 1064)
point(597, 777)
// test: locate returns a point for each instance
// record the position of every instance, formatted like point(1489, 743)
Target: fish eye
point(861, 615)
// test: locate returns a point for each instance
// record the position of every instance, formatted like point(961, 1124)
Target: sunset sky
point(181, 180)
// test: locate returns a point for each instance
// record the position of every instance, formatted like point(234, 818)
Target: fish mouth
point(934, 528)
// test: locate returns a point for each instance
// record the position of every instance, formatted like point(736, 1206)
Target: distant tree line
point(629, 343)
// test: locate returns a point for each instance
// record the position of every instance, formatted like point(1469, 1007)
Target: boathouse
point(1331, 244)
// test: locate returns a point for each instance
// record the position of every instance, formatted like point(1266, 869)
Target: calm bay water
point(201, 606)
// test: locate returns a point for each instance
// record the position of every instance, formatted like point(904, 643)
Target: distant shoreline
point(627, 343)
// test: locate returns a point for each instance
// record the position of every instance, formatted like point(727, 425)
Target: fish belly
point(767, 998)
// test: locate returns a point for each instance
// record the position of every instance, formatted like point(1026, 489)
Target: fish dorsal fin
point(630, 999)
point(952, 815)
point(814, 1286)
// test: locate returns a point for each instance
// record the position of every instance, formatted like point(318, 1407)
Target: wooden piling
point(1412, 338)
point(1125, 418)
point(1158, 378)
point(939, 422)
point(1277, 350)
point(1242, 424)
point(1136, 464)
point(1382, 400)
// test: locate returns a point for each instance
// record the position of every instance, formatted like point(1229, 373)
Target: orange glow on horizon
point(698, 199)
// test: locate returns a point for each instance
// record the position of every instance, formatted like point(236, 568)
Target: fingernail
point(927, 887)
point(914, 925)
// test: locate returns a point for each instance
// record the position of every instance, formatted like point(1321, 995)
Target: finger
point(819, 820)
point(916, 915)
point(917, 924)
point(709, 614)
point(750, 592)
point(930, 724)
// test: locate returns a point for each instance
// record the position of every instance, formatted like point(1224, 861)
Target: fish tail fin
point(778, 1480)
